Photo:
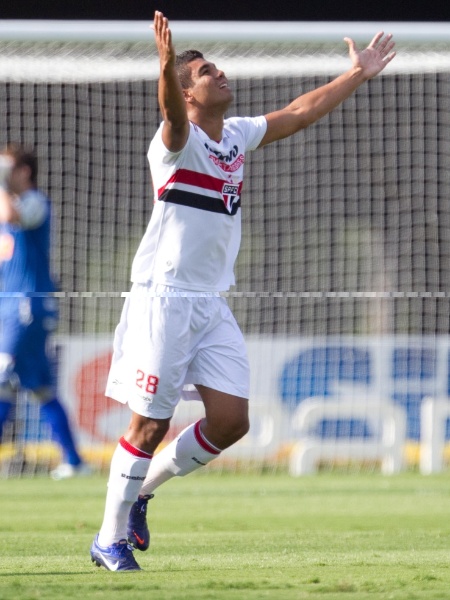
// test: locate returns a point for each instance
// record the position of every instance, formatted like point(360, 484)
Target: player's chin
point(229, 94)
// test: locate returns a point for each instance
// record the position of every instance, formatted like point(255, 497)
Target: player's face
point(210, 87)
point(18, 178)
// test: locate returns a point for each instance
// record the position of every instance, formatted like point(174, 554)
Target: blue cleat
point(137, 530)
point(117, 557)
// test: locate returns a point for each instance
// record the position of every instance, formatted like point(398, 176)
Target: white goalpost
point(342, 282)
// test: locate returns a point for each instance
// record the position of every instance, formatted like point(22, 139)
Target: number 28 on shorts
point(148, 383)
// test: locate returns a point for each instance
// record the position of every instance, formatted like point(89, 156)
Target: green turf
point(236, 537)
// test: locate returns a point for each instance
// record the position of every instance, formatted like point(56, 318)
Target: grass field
point(236, 537)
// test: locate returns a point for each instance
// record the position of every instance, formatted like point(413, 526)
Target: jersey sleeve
point(253, 130)
point(163, 163)
point(33, 209)
point(159, 151)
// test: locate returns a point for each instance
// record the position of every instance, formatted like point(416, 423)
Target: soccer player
point(175, 328)
point(27, 314)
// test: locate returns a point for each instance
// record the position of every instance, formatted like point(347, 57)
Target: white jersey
point(194, 233)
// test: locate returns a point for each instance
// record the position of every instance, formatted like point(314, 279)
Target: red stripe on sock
point(134, 451)
point(202, 441)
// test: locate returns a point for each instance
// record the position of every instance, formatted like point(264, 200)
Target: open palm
point(375, 57)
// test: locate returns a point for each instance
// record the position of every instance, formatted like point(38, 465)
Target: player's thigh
point(13, 333)
point(26, 341)
point(221, 361)
point(34, 365)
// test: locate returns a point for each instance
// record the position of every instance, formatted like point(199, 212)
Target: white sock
point(186, 453)
point(129, 466)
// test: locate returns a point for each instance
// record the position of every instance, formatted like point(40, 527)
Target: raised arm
point(170, 95)
point(309, 107)
point(8, 209)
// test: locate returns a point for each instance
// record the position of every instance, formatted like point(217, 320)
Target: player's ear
point(187, 95)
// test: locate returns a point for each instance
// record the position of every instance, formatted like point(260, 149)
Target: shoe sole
point(98, 563)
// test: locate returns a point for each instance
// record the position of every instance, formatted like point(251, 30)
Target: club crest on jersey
point(230, 195)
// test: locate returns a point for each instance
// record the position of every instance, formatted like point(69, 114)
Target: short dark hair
point(181, 65)
point(23, 156)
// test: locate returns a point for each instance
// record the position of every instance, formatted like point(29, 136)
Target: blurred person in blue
point(28, 307)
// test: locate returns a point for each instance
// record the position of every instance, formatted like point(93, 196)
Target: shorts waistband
point(159, 290)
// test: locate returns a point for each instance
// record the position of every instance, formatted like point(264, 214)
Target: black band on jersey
point(184, 198)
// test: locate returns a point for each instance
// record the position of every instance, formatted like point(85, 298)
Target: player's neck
point(25, 187)
point(212, 125)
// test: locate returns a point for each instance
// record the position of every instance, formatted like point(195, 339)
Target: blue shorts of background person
point(27, 364)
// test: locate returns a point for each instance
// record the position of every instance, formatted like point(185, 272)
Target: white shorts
point(169, 338)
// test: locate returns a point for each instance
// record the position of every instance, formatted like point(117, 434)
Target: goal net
point(342, 281)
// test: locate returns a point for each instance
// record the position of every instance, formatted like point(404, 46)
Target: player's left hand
point(375, 57)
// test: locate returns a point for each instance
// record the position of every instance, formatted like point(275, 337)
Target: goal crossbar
point(221, 31)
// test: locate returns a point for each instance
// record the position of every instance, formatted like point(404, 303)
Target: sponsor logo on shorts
point(148, 399)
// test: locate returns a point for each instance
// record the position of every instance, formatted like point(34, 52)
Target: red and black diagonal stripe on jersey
point(197, 190)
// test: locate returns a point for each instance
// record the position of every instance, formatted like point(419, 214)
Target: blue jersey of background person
point(28, 309)
point(25, 253)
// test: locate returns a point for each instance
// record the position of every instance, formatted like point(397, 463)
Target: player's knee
point(231, 430)
point(241, 427)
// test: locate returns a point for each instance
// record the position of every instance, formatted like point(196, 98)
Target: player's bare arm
point(170, 95)
point(8, 210)
point(309, 107)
